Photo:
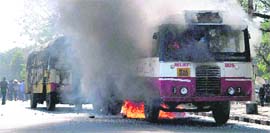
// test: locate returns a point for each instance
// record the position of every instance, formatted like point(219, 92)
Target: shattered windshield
point(199, 43)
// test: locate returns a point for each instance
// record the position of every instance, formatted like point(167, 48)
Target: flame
point(136, 110)
point(133, 110)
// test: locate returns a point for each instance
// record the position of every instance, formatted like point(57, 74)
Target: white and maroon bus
point(199, 67)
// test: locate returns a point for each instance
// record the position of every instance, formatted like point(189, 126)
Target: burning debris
point(132, 109)
point(92, 116)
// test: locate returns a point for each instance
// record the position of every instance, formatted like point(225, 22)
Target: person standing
point(4, 86)
point(10, 90)
point(16, 89)
point(262, 94)
point(22, 94)
point(267, 93)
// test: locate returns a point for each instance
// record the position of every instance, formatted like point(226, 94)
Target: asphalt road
point(18, 117)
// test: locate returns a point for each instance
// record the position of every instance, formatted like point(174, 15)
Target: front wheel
point(51, 101)
point(151, 111)
point(33, 100)
point(221, 112)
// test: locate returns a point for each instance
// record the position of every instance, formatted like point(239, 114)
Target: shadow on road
point(189, 121)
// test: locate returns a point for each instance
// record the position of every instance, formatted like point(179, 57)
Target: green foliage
point(266, 38)
point(244, 4)
point(263, 70)
point(23, 72)
point(12, 63)
point(17, 60)
point(263, 55)
point(265, 25)
point(258, 5)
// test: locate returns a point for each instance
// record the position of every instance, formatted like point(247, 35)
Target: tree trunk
point(250, 7)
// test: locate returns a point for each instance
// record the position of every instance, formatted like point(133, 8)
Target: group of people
point(12, 90)
point(264, 94)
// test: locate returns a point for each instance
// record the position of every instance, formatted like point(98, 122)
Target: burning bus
point(50, 76)
point(199, 67)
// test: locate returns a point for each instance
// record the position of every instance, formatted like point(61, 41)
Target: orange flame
point(136, 110)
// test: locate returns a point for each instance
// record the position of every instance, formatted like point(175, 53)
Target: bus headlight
point(184, 90)
point(231, 91)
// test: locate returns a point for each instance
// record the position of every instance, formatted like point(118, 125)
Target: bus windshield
point(201, 43)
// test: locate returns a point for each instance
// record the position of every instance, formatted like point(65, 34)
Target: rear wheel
point(151, 111)
point(51, 101)
point(114, 108)
point(221, 112)
point(33, 100)
point(109, 108)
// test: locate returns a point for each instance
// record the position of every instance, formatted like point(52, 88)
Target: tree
point(37, 27)
point(12, 64)
point(38, 21)
point(260, 8)
point(263, 52)
point(16, 64)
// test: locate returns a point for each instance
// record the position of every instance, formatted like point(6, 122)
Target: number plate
point(183, 72)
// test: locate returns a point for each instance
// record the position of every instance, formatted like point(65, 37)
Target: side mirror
point(249, 37)
point(155, 36)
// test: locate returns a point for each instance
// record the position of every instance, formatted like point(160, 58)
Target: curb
point(237, 118)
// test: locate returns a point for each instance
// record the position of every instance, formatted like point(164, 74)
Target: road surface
point(18, 117)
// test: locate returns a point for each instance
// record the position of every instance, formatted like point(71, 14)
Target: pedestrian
point(10, 90)
point(16, 89)
point(22, 94)
point(267, 93)
point(262, 94)
point(4, 86)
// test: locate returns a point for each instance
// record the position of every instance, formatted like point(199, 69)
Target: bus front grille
point(207, 80)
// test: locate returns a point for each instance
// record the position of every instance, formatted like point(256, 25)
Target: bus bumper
point(205, 99)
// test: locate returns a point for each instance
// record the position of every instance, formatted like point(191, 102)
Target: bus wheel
point(50, 101)
point(221, 112)
point(33, 100)
point(115, 108)
point(151, 111)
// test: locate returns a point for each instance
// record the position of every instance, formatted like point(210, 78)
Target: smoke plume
point(110, 35)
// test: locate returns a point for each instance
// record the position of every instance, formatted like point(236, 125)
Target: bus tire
point(33, 100)
point(50, 101)
point(151, 111)
point(221, 112)
point(115, 108)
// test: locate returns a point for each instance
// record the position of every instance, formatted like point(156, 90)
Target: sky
point(10, 12)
